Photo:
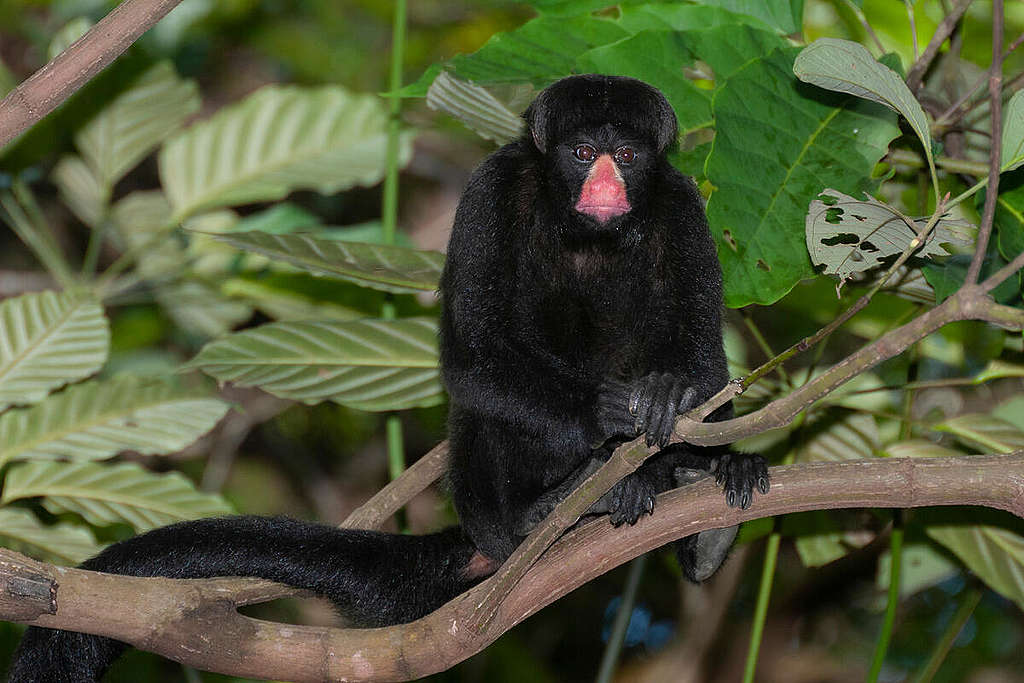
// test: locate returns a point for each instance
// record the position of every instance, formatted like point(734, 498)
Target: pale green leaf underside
point(995, 554)
point(853, 437)
point(80, 189)
point(47, 340)
point(364, 364)
point(108, 494)
point(99, 419)
point(380, 266)
point(277, 140)
point(1013, 133)
point(21, 530)
point(845, 66)
point(985, 431)
point(136, 121)
point(475, 106)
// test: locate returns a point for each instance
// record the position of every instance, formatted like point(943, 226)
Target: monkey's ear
point(666, 127)
point(536, 116)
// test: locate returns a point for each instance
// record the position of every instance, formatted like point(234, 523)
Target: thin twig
point(915, 76)
point(947, 115)
point(995, 91)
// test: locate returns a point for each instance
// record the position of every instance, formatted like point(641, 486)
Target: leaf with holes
point(380, 266)
point(108, 494)
point(849, 236)
point(135, 122)
point(759, 204)
point(990, 434)
point(277, 140)
point(99, 419)
point(364, 364)
point(64, 542)
point(47, 340)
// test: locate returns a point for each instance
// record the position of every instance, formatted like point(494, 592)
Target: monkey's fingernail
point(744, 501)
point(730, 499)
point(762, 484)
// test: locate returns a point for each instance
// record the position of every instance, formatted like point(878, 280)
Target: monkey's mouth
point(602, 212)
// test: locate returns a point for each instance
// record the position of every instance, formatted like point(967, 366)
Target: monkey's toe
point(739, 474)
point(629, 500)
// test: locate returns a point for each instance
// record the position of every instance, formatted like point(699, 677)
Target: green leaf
point(135, 122)
point(1009, 219)
point(851, 236)
point(998, 369)
point(991, 434)
point(474, 106)
point(682, 17)
point(994, 553)
point(785, 15)
point(538, 52)
point(107, 494)
point(923, 567)
point(819, 538)
point(277, 140)
point(201, 309)
point(80, 189)
point(380, 266)
point(363, 364)
point(841, 435)
point(99, 419)
point(47, 340)
point(948, 276)
point(847, 67)
point(67, 543)
point(758, 208)
point(1012, 154)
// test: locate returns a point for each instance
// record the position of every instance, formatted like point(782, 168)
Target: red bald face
point(603, 195)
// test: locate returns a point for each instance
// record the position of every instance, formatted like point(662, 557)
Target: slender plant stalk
point(863, 19)
point(895, 571)
point(968, 603)
point(389, 211)
point(764, 592)
point(617, 637)
point(18, 213)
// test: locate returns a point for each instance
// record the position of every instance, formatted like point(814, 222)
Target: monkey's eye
point(585, 152)
point(625, 155)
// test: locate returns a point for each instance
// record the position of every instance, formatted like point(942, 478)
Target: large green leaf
point(68, 543)
point(538, 52)
point(108, 494)
point(380, 266)
point(364, 364)
point(136, 121)
point(681, 17)
point(840, 435)
point(81, 189)
point(785, 15)
point(99, 419)
point(47, 340)
point(475, 106)
point(994, 553)
point(776, 147)
point(277, 140)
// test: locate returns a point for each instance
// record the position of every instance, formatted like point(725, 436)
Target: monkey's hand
point(738, 474)
point(649, 404)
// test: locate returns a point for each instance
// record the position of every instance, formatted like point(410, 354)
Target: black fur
point(561, 337)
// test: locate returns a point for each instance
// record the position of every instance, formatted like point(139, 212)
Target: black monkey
point(581, 307)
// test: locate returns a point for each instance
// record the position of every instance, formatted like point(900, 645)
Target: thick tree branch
point(195, 622)
point(47, 88)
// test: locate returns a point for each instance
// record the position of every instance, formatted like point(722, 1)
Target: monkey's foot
point(739, 474)
point(628, 500)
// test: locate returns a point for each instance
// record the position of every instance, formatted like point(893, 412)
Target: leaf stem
point(21, 213)
point(895, 571)
point(771, 556)
point(968, 603)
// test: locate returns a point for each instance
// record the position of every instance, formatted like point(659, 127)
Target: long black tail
point(374, 578)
